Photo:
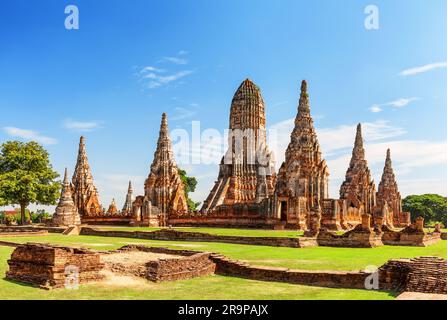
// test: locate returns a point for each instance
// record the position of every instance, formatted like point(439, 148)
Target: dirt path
point(421, 296)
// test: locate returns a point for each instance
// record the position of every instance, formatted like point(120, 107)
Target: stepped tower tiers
point(247, 174)
point(164, 189)
point(358, 189)
point(127, 208)
point(66, 213)
point(85, 194)
point(302, 182)
point(389, 201)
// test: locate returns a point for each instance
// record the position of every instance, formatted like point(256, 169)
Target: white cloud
point(82, 126)
point(376, 108)
point(422, 69)
point(151, 69)
point(399, 103)
point(156, 80)
point(182, 113)
point(29, 135)
point(176, 60)
point(154, 77)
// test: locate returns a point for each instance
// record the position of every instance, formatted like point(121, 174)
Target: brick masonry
point(172, 235)
point(423, 274)
point(45, 265)
point(192, 264)
point(335, 279)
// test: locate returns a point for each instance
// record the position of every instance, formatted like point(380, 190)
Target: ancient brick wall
point(172, 235)
point(14, 229)
point(423, 274)
point(45, 265)
point(191, 264)
point(336, 279)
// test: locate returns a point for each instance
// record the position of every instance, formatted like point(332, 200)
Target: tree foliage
point(190, 184)
point(26, 176)
point(432, 207)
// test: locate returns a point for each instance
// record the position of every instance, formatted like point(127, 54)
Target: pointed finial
point(358, 136)
point(130, 187)
point(66, 176)
point(304, 107)
point(82, 140)
point(303, 87)
point(388, 163)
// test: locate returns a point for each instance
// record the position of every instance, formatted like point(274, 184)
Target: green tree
point(26, 176)
point(190, 184)
point(432, 207)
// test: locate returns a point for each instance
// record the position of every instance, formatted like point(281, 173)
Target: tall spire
point(388, 193)
point(66, 213)
point(304, 106)
point(304, 174)
point(127, 208)
point(304, 131)
point(358, 187)
point(85, 194)
point(66, 190)
point(164, 184)
point(388, 178)
point(358, 152)
point(164, 145)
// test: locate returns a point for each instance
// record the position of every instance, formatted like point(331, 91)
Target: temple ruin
point(248, 192)
point(358, 189)
point(164, 192)
point(66, 213)
point(246, 174)
point(389, 201)
point(85, 194)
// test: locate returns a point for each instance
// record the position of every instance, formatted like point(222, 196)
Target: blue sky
point(111, 80)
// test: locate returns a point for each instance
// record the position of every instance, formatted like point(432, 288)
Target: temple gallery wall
point(248, 191)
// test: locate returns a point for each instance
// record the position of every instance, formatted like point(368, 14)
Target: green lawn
point(206, 288)
point(218, 231)
point(315, 258)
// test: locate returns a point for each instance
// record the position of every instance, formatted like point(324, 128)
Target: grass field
point(218, 287)
point(219, 231)
point(206, 288)
point(315, 258)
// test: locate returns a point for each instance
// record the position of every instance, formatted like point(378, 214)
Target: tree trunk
point(22, 214)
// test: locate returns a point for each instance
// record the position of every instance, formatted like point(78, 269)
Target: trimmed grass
point(206, 288)
point(315, 258)
point(218, 231)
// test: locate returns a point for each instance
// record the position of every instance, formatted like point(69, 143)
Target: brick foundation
point(424, 274)
point(192, 264)
point(172, 235)
point(334, 279)
point(45, 265)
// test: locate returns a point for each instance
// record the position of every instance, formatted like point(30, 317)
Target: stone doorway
point(283, 211)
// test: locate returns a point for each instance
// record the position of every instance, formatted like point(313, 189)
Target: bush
point(9, 220)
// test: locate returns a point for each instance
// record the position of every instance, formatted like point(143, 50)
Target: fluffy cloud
point(29, 135)
point(423, 69)
point(399, 103)
point(82, 126)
